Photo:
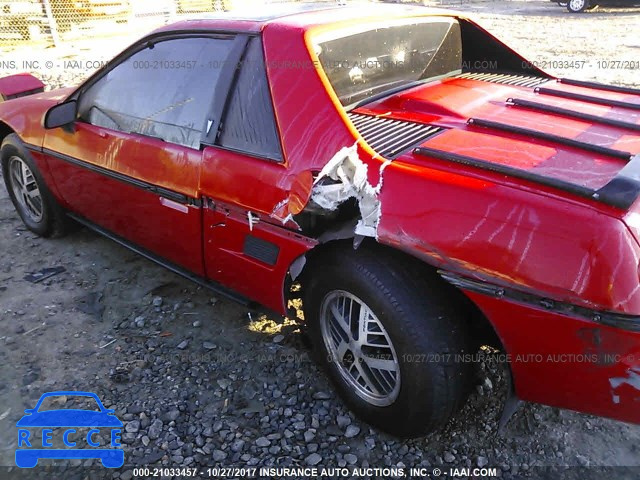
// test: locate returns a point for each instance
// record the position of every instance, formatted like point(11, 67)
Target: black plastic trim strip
point(23, 94)
point(507, 170)
point(611, 319)
point(149, 187)
point(623, 189)
point(224, 84)
point(32, 147)
point(230, 91)
point(587, 98)
point(261, 250)
point(216, 287)
point(542, 107)
point(589, 147)
point(599, 86)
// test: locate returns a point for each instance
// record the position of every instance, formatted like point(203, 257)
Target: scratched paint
point(632, 378)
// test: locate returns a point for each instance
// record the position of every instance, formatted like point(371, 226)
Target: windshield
point(369, 60)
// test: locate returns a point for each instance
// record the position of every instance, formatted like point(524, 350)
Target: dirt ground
point(200, 381)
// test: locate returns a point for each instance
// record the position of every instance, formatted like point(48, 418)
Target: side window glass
point(249, 123)
point(163, 91)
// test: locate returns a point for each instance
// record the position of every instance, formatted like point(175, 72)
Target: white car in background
point(579, 6)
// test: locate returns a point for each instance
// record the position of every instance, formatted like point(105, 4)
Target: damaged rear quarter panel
point(539, 243)
point(349, 177)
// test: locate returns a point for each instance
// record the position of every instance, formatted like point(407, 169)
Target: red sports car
point(418, 185)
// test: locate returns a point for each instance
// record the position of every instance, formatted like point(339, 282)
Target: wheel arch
point(479, 325)
point(58, 222)
point(5, 131)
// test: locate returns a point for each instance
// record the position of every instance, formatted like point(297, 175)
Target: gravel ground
point(202, 382)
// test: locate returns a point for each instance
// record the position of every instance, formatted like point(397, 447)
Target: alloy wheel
point(576, 5)
point(360, 347)
point(25, 189)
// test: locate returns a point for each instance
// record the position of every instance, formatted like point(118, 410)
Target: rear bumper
point(565, 361)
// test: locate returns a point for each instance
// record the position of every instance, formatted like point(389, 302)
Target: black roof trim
point(549, 137)
point(587, 98)
point(565, 112)
point(621, 191)
point(506, 170)
point(599, 86)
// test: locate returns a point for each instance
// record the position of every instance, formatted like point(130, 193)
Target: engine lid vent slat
point(529, 81)
point(389, 137)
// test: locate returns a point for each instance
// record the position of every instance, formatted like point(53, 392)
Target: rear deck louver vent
point(516, 80)
point(389, 138)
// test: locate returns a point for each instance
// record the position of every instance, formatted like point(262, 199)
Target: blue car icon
point(31, 448)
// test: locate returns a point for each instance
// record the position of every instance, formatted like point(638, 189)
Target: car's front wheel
point(389, 340)
point(34, 203)
point(577, 6)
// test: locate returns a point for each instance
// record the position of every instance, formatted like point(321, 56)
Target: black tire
point(423, 323)
point(52, 222)
point(578, 6)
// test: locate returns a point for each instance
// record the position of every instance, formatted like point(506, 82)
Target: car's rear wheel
point(31, 198)
point(577, 6)
point(356, 357)
point(388, 339)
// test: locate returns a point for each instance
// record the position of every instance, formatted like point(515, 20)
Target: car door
point(247, 246)
point(131, 163)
